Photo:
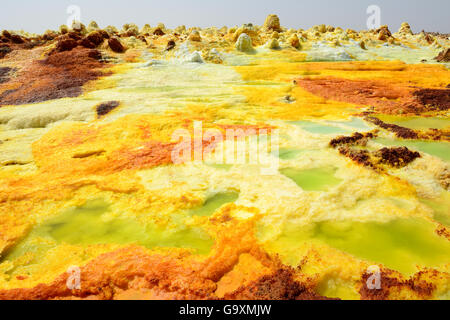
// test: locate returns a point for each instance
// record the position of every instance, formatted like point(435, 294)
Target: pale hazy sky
point(39, 15)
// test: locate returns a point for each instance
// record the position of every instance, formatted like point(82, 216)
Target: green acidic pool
point(318, 128)
point(89, 224)
point(214, 203)
point(440, 149)
point(289, 154)
point(420, 123)
point(441, 208)
point(400, 244)
point(316, 179)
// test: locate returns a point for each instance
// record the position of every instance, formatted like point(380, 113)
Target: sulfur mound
point(272, 23)
point(195, 36)
point(244, 43)
point(273, 44)
point(294, 41)
point(405, 29)
point(115, 45)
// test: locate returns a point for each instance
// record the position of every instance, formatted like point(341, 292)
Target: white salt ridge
point(322, 51)
point(184, 55)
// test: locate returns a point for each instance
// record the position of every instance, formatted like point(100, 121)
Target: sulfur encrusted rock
point(294, 41)
point(383, 33)
point(248, 29)
point(272, 23)
point(330, 29)
point(130, 30)
point(97, 37)
point(405, 29)
point(93, 26)
point(79, 27)
point(272, 44)
point(50, 35)
point(146, 29)
point(195, 36)
point(321, 28)
point(180, 29)
point(111, 30)
point(244, 43)
point(443, 56)
point(63, 29)
point(170, 45)
point(362, 45)
point(115, 45)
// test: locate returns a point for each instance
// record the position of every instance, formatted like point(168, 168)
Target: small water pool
point(316, 179)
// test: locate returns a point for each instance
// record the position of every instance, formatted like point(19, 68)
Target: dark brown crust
point(443, 56)
point(106, 107)
point(356, 138)
point(407, 133)
point(397, 157)
point(443, 231)
point(115, 45)
point(435, 98)
point(60, 75)
point(391, 281)
point(281, 285)
point(4, 50)
point(384, 97)
point(4, 74)
point(359, 156)
point(400, 132)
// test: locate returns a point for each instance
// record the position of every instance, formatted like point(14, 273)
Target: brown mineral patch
point(359, 156)
point(444, 178)
point(391, 283)
point(106, 107)
point(435, 134)
point(356, 138)
point(384, 96)
point(400, 132)
point(443, 231)
point(4, 74)
point(280, 285)
point(394, 156)
point(407, 133)
point(397, 157)
point(4, 50)
point(170, 45)
point(115, 45)
point(443, 56)
point(435, 98)
point(60, 75)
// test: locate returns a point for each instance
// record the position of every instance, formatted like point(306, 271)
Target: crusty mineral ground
point(88, 133)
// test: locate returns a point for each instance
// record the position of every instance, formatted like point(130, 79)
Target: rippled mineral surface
point(88, 179)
